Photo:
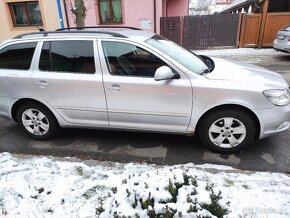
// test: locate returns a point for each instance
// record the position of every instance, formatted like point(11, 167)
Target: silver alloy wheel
point(227, 132)
point(35, 122)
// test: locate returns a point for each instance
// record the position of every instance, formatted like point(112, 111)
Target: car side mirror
point(164, 73)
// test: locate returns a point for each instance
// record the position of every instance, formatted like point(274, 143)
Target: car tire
point(227, 131)
point(37, 121)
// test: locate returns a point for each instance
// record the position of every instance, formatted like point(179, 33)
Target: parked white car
point(282, 42)
point(139, 81)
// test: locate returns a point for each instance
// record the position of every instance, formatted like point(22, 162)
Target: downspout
point(154, 2)
point(60, 14)
point(66, 14)
point(166, 11)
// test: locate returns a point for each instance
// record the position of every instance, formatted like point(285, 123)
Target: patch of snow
point(44, 187)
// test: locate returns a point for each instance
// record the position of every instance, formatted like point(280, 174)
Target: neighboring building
point(144, 14)
point(204, 7)
point(221, 5)
point(21, 16)
point(256, 5)
point(267, 17)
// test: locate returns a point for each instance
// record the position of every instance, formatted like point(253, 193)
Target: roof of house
point(238, 4)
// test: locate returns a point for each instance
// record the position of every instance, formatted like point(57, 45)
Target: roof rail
point(98, 27)
point(46, 33)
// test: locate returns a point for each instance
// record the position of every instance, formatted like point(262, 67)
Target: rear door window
point(72, 56)
point(17, 56)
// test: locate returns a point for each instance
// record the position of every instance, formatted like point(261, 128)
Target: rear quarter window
point(17, 56)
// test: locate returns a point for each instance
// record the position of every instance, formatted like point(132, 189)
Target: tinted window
point(67, 56)
point(124, 59)
point(18, 56)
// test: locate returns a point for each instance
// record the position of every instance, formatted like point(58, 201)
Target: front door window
point(125, 59)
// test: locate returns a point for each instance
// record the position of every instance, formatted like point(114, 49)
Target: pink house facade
point(144, 14)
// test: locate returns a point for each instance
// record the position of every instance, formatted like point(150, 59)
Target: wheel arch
point(22, 101)
point(233, 107)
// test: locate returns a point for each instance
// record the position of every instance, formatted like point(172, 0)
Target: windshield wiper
point(206, 71)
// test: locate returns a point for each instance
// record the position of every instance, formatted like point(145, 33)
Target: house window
point(110, 11)
point(25, 14)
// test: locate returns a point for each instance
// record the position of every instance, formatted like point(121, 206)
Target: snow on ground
point(45, 187)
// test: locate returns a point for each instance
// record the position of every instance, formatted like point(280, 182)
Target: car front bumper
point(281, 47)
point(273, 120)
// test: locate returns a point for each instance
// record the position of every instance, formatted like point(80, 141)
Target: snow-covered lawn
point(46, 187)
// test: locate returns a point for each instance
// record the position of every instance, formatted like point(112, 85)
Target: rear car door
point(15, 71)
point(68, 77)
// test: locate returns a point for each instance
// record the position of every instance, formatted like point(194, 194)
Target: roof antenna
point(39, 29)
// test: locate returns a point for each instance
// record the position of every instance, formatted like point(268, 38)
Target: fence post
point(181, 30)
point(242, 43)
point(263, 23)
point(239, 30)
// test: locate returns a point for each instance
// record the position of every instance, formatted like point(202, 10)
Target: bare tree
point(78, 9)
point(201, 7)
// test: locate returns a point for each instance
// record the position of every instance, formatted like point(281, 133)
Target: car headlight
point(279, 97)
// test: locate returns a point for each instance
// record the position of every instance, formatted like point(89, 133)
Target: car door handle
point(115, 88)
point(42, 84)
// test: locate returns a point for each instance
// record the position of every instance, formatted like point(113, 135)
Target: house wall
point(177, 8)
point(134, 14)
point(49, 15)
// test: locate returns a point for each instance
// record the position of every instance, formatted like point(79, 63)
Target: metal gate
point(203, 31)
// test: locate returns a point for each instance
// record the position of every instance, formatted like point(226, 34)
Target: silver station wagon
point(122, 78)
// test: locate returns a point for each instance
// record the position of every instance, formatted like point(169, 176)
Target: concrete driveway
point(271, 154)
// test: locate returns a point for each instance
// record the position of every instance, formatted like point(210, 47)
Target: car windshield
point(178, 53)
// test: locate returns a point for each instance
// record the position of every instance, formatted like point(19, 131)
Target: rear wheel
point(227, 131)
point(37, 121)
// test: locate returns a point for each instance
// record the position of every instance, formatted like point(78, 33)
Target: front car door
point(68, 77)
point(135, 100)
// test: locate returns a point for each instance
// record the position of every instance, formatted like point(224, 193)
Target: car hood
point(238, 71)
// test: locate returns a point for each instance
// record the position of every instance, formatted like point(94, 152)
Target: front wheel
point(37, 121)
point(227, 131)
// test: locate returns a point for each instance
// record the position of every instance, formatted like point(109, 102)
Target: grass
point(146, 202)
point(80, 171)
point(229, 182)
